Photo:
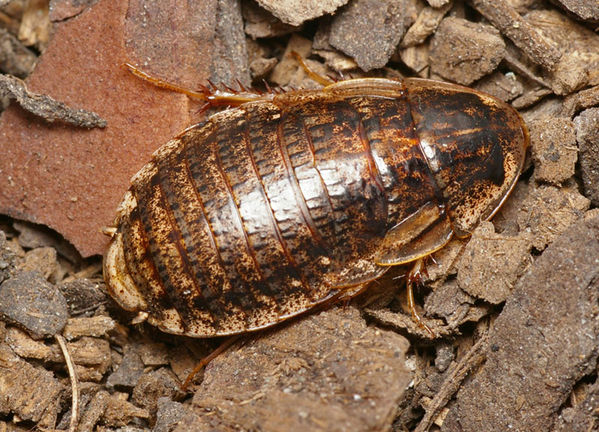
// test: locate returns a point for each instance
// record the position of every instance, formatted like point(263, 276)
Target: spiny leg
point(212, 95)
point(415, 276)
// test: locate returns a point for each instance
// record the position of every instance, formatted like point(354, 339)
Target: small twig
point(452, 382)
point(74, 382)
point(47, 108)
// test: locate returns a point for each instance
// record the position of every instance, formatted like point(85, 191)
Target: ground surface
point(514, 308)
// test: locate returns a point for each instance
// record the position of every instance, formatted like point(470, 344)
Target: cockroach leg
point(212, 95)
point(415, 276)
point(206, 360)
point(313, 75)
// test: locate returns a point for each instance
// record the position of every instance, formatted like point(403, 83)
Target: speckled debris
point(45, 261)
point(463, 51)
point(20, 385)
point(587, 135)
point(83, 295)
point(295, 12)
point(548, 211)
point(128, 372)
point(91, 357)
point(584, 9)
point(7, 259)
point(554, 150)
point(35, 305)
point(156, 384)
point(579, 46)
point(259, 23)
point(169, 414)
point(491, 263)
point(541, 344)
point(370, 30)
point(427, 22)
point(97, 326)
point(280, 382)
point(504, 87)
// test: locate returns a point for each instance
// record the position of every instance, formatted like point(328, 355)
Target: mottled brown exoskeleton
point(282, 203)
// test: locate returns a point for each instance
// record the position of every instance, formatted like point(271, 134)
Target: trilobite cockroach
point(280, 204)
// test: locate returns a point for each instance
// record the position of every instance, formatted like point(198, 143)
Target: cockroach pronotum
point(289, 200)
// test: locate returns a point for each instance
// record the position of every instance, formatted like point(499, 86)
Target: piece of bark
point(128, 372)
point(20, 385)
point(169, 414)
point(91, 357)
point(73, 180)
point(154, 385)
point(93, 411)
point(547, 212)
point(583, 9)
point(15, 58)
point(587, 135)
point(554, 150)
point(47, 108)
point(295, 12)
point(230, 60)
point(542, 343)
point(98, 326)
point(425, 25)
point(581, 100)
point(370, 30)
point(526, 37)
point(579, 46)
point(417, 58)
point(281, 380)
point(504, 87)
point(35, 24)
point(7, 259)
point(119, 412)
point(491, 263)
point(463, 51)
point(26, 347)
point(259, 23)
point(43, 260)
point(83, 295)
point(33, 304)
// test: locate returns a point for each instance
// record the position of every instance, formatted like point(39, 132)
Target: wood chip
point(527, 38)
point(47, 108)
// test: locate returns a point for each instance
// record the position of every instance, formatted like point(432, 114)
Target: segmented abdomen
point(256, 215)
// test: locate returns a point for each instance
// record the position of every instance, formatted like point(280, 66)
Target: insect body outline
point(280, 204)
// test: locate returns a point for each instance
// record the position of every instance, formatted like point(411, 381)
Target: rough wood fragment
point(47, 108)
point(543, 342)
point(97, 326)
point(427, 22)
point(526, 37)
point(463, 51)
point(587, 135)
point(15, 58)
point(370, 30)
point(295, 12)
point(20, 385)
point(554, 150)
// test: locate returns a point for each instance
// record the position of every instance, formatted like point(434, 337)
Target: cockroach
point(285, 201)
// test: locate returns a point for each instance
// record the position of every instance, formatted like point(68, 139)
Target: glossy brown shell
point(271, 208)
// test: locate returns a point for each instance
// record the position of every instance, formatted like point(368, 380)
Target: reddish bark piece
point(73, 179)
point(169, 42)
